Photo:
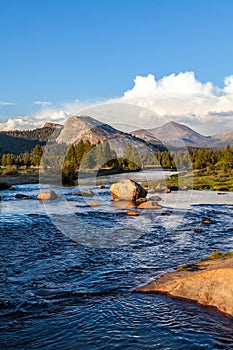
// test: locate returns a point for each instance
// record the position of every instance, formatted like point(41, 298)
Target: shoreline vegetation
point(203, 179)
point(198, 168)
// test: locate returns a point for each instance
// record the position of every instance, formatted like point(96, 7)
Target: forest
point(87, 157)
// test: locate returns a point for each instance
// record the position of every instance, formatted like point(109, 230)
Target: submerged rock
point(133, 213)
point(210, 283)
point(21, 196)
point(47, 195)
point(149, 205)
point(162, 188)
point(155, 198)
point(94, 204)
point(101, 186)
point(127, 190)
point(123, 204)
point(140, 200)
point(87, 193)
point(5, 185)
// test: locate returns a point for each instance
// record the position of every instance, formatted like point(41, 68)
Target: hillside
point(18, 141)
point(86, 128)
point(223, 138)
point(175, 135)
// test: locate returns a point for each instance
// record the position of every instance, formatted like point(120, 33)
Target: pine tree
point(7, 160)
point(36, 155)
point(27, 159)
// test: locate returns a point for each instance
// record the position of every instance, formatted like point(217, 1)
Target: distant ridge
point(19, 141)
point(86, 128)
point(178, 135)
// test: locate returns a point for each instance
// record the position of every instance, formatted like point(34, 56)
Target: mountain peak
point(175, 135)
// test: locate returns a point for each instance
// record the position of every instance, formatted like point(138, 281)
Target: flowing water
point(68, 271)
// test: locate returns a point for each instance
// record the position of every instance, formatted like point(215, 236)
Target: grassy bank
point(205, 179)
point(20, 176)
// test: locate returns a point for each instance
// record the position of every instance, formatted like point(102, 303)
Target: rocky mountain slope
point(86, 128)
point(175, 135)
point(223, 138)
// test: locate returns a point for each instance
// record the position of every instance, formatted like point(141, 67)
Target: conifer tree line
point(88, 156)
point(24, 159)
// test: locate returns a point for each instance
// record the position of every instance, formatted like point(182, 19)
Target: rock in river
point(127, 190)
point(210, 283)
point(149, 205)
point(47, 195)
point(21, 196)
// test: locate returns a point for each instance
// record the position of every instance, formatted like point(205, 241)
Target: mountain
point(223, 138)
point(19, 141)
point(173, 134)
point(87, 128)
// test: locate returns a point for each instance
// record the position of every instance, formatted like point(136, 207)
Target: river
point(68, 271)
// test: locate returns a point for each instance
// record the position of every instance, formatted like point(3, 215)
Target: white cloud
point(36, 121)
point(43, 103)
point(3, 103)
point(24, 122)
point(150, 103)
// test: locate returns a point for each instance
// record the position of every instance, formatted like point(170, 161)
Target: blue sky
point(59, 51)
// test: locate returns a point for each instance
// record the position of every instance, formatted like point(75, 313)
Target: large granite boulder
point(47, 195)
point(210, 283)
point(127, 190)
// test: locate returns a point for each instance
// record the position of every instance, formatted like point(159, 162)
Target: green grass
point(218, 255)
point(215, 180)
point(188, 267)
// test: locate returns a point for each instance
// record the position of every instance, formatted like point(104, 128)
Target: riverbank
point(25, 176)
point(209, 282)
point(205, 179)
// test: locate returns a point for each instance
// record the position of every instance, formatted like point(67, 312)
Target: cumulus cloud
point(43, 103)
point(150, 103)
point(37, 121)
point(184, 99)
point(179, 97)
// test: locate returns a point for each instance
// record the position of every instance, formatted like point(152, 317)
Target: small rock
point(221, 193)
point(166, 213)
point(87, 193)
point(174, 188)
point(149, 205)
point(206, 222)
point(197, 229)
point(101, 186)
point(47, 195)
point(140, 200)
point(12, 189)
point(151, 190)
point(94, 204)
point(184, 188)
point(155, 198)
point(5, 185)
point(21, 196)
point(162, 188)
point(133, 213)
